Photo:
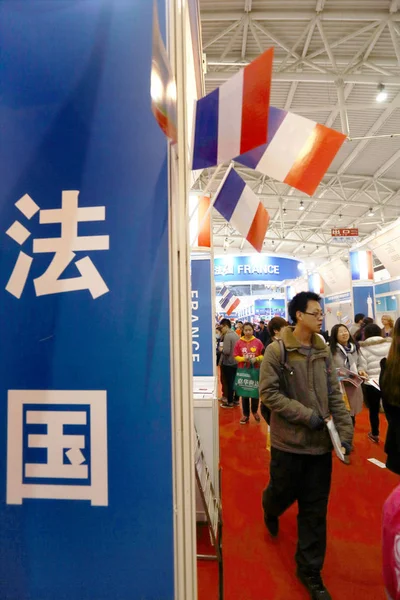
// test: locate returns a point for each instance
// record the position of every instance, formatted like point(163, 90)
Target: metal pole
point(204, 219)
point(205, 191)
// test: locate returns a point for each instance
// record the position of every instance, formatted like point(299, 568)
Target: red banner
point(344, 232)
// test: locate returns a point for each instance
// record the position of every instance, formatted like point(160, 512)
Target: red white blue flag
point(228, 301)
point(298, 151)
point(240, 206)
point(233, 119)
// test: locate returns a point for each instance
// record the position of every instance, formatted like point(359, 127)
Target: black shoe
point(272, 524)
point(226, 405)
point(313, 582)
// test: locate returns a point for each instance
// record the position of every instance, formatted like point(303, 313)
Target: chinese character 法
point(64, 248)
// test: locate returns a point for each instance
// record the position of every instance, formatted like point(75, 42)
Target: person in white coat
point(345, 354)
point(373, 349)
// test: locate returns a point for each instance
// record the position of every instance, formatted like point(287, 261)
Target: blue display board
point(363, 300)
point(203, 334)
point(258, 267)
point(86, 502)
point(387, 286)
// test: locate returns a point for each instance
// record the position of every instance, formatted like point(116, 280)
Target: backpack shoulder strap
point(285, 366)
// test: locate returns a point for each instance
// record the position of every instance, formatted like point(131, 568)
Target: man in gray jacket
point(228, 363)
point(300, 387)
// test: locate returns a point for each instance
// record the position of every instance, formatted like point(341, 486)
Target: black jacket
point(392, 444)
point(263, 336)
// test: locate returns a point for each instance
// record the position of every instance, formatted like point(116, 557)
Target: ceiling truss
point(316, 56)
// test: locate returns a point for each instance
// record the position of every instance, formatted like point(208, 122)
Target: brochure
point(335, 440)
point(374, 383)
point(347, 375)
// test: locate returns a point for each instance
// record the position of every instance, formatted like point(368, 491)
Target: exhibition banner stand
point(96, 476)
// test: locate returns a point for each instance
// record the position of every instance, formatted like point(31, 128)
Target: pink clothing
point(391, 544)
point(244, 350)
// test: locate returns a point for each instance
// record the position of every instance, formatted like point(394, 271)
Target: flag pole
point(212, 201)
point(205, 191)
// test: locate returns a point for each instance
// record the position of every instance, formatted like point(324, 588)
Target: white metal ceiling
point(330, 56)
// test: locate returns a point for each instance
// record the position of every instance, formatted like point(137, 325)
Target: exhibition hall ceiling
point(330, 58)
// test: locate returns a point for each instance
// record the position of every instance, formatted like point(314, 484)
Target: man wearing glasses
point(299, 386)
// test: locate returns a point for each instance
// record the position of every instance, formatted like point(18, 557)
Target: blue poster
point(257, 267)
point(203, 333)
point(86, 502)
point(363, 300)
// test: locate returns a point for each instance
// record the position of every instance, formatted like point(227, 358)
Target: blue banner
point(86, 502)
point(258, 267)
point(203, 332)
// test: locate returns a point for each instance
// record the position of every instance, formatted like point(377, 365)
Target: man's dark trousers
point(307, 479)
point(228, 374)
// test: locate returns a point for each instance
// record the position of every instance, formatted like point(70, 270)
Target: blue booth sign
point(203, 334)
point(260, 267)
point(86, 498)
point(337, 298)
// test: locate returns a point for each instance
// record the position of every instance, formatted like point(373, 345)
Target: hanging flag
point(198, 206)
point(162, 86)
point(298, 151)
point(228, 301)
point(239, 205)
point(361, 265)
point(233, 119)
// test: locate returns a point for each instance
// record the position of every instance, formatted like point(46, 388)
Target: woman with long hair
point(248, 353)
point(390, 387)
point(359, 336)
point(345, 355)
point(372, 350)
point(387, 329)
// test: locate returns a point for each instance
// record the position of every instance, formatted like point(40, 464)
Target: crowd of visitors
point(306, 377)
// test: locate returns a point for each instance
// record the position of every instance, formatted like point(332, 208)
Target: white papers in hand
point(335, 439)
point(374, 383)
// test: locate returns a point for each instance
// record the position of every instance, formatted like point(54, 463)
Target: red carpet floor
point(259, 568)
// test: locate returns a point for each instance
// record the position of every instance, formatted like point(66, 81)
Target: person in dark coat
point(263, 334)
point(389, 383)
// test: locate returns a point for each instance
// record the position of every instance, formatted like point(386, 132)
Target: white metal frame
point(181, 350)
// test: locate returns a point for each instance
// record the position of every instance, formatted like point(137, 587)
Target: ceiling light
point(382, 93)
point(284, 211)
point(370, 212)
point(340, 216)
point(301, 207)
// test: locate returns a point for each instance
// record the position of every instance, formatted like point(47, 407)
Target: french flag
point(298, 151)
point(233, 119)
point(228, 301)
point(239, 205)
point(361, 264)
point(198, 206)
